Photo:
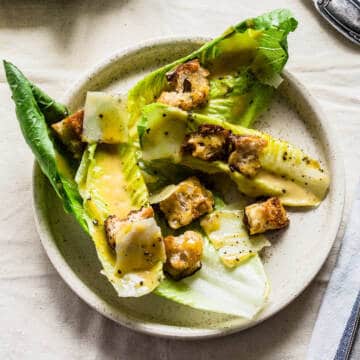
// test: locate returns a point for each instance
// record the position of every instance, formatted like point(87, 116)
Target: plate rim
point(162, 330)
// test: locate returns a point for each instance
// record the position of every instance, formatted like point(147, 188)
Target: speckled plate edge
point(95, 301)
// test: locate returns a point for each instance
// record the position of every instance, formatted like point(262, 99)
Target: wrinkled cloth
point(340, 296)
point(54, 42)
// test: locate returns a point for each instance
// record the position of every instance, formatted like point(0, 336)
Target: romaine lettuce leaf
point(255, 48)
point(237, 98)
point(52, 110)
point(241, 291)
point(287, 172)
point(33, 125)
point(110, 183)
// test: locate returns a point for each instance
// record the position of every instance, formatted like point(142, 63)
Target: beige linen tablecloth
point(54, 42)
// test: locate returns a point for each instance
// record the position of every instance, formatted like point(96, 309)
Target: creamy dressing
point(106, 181)
point(292, 194)
point(226, 231)
point(108, 194)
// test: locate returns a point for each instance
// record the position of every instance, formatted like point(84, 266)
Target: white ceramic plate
point(291, 263)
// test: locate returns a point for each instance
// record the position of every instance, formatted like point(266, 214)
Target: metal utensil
point(349, 335)
point(343, 15)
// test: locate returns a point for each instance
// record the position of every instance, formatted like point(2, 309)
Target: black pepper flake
point(141, 283)
point(166, 133)
point(101, 116)
point(283, 191)
point(119, 271)
point(306, 183)
point(164, 115)
point(147, 130)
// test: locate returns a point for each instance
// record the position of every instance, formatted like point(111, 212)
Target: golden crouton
point(268, 215)
point(186, 203)
point(189, 84)
point(69, 132)
point(245, 157)
point(183, 254)
point(209, 142)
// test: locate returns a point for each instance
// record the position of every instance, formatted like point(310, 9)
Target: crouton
point(264, 216)
point(186, 203)
point(189, 86)
point(69, 132)
point(183, 254)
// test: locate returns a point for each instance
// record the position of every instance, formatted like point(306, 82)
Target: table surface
point(54, 42)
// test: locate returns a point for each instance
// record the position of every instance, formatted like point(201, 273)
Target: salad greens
point(38, 136)
point(241, 291)
point(121, 169)
point(51, 109)
point(245, 65)
point(295, 178)
point(101, 177)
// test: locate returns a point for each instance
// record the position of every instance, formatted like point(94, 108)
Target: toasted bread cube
point(186, 203)
point(183, 254)
point(268, 215)
point(245, 157)
point(69, 132)
point(209, 142)
point(189, 84)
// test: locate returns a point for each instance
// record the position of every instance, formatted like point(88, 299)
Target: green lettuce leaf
point(33, 125)
point(254, 51)
point(104, 167)
point(52, 110)
point(241, 291)
point(237, 98)
point(287, 172)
